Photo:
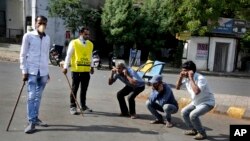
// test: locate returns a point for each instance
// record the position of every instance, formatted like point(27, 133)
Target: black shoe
point(30, 128)
point(40, 123)
point(87, 109)
point(124, 115)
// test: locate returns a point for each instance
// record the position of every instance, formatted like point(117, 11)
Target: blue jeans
point(36, 85)
point(167, 108)
point(191, 115)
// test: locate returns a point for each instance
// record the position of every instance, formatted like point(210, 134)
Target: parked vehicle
point(112, 59)
point(55, 54)
point(97, 60)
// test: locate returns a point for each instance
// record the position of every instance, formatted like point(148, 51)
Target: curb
point(231, 111)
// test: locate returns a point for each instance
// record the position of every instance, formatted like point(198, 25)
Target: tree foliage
point(75, 13)
point(196, 14)
point(116, 21)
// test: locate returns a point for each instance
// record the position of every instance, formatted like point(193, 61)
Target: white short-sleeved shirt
point(205, 96)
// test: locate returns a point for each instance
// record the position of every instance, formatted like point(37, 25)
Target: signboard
point(134, 57)
point(183, 36)
point(239, 26)
point(225, 26)
point(202, 51)
point(230, 26)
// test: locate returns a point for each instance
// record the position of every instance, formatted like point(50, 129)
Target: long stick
point(71, 92)
point(7, 129)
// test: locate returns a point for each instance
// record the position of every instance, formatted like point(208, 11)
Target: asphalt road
point(103, 124)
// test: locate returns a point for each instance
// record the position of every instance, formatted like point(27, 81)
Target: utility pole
point(24, 16)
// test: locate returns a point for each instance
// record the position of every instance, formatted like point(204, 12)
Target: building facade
point(220, 51)
point(18, 16)
point(212, 53)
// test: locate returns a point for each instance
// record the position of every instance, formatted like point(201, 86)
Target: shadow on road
point(96, 128)
point(220, 137)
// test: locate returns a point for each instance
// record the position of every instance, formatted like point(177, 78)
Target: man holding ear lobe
point(34, 60)
point(161, 99)
point(134, 84)
point(202, 99)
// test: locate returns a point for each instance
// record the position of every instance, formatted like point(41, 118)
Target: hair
point(42, 18)
point(120, 64)
point(83, 29)
point(190, 65)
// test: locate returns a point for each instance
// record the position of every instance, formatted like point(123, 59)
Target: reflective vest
point(81, 57)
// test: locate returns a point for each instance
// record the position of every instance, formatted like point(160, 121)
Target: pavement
point(231, 105)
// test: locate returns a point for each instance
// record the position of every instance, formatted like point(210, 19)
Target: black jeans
point(131, 99)
point(77, 78)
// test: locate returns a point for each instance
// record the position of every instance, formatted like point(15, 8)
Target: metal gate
point(220, 57)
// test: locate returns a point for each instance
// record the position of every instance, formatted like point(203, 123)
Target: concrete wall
point(192, 52)
point(55, 26)
point(28, 8)
point(14, 17)
point(16, 20)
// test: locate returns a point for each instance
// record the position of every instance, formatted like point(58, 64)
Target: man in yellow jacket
point(79, 57)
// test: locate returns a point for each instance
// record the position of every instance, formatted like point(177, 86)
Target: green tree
point(196, 14)
point(116, 21)
point(154, 34)
point(75, 13)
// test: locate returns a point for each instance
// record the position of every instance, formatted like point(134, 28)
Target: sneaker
point(192, 132)
point(134, 116)
point(40, 123)
point(169, 124)
point(124, 115)
point(87, 109)
point(73, 111)
point(30, 128)
point(157, 122)
point(200, 136)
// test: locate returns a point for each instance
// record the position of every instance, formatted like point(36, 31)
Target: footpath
point(230, 105)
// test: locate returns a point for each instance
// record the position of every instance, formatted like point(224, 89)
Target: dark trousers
point(77, 78)
point(131, 99)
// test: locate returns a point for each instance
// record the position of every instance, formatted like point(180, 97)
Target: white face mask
point(81, 38)
point(41, 28)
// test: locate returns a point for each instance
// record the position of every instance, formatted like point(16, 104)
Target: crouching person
point(133, 84)
point(161, 99)
point(202, 99)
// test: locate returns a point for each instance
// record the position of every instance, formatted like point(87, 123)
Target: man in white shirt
point(34, 60)
point(202, 99)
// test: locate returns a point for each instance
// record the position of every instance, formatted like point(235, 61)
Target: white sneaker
point(30, 128)
point(73, 111)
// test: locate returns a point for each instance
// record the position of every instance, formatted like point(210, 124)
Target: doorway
point(221, 55)
point(2, 24)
